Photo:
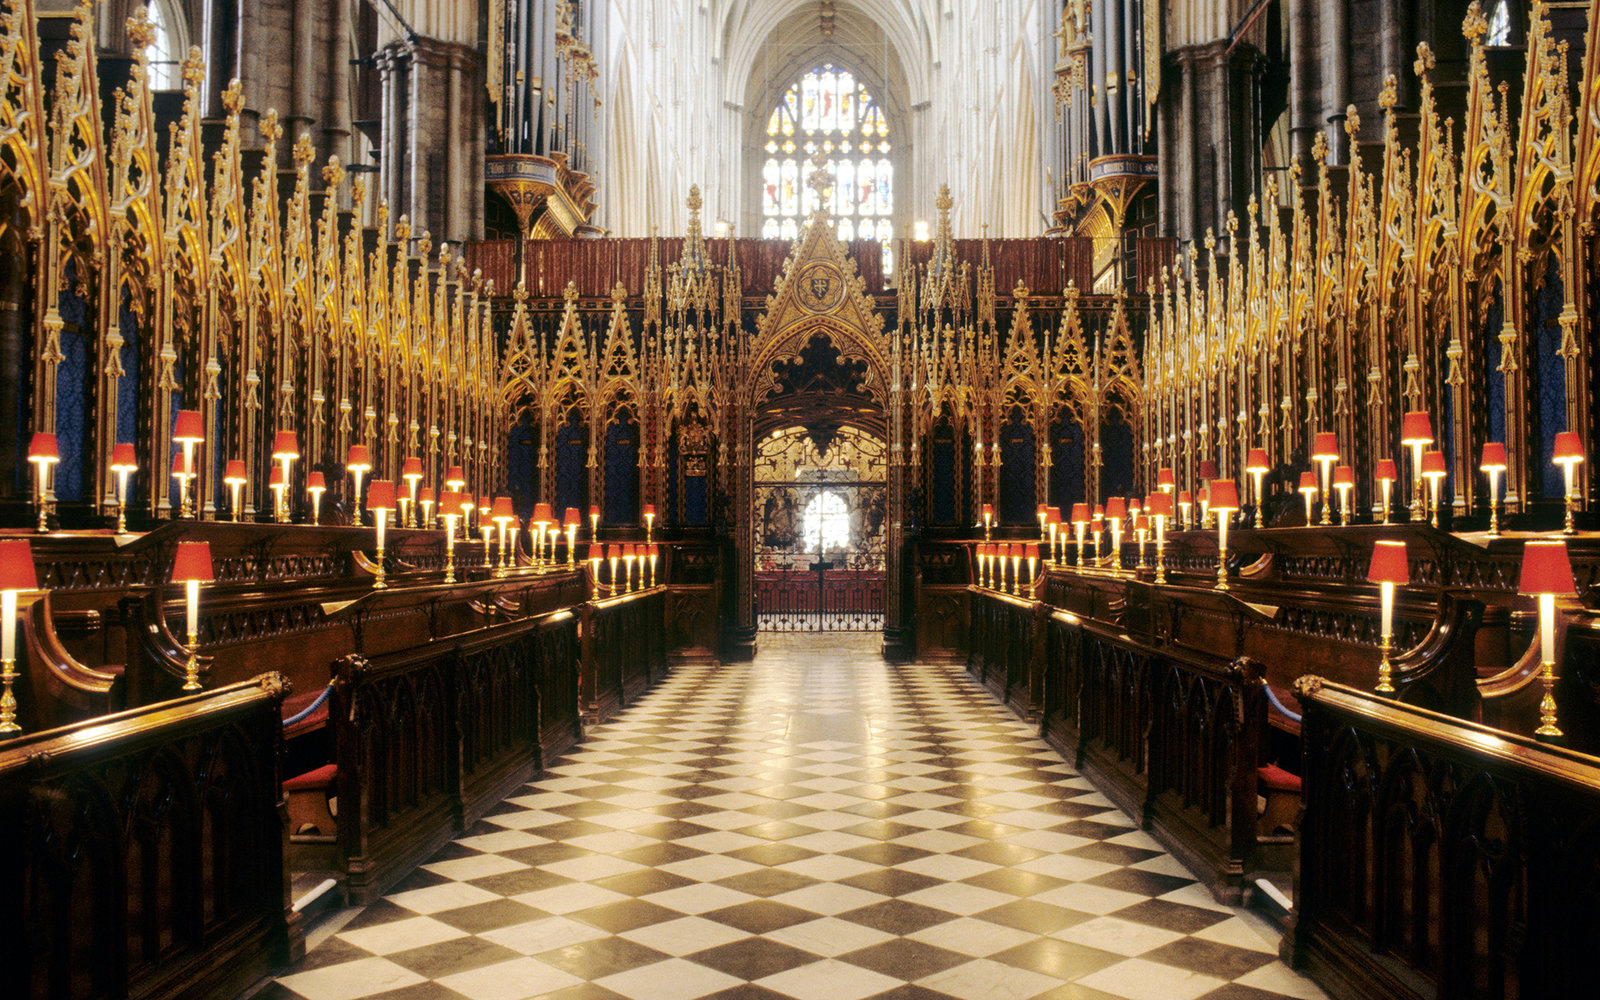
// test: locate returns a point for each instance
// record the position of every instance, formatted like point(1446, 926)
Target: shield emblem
point(819, 287)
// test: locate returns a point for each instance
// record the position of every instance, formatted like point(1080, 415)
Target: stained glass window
point(825, 523)
point(165, 53)
point(829, 112)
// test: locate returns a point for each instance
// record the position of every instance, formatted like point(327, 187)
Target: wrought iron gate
point(820, 600)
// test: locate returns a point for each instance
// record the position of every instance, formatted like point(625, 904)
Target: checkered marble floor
point(816, 825)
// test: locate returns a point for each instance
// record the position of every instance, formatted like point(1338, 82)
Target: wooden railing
point(1442, 859)
point(624, 650)
point(1006, 646)
point(143, 852)
point(429, 738)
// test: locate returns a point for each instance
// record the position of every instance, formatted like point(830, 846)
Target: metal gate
point(820, 599)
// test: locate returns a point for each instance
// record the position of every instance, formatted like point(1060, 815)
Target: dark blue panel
point(1066, 463)
point(1490, 335)
point(72, 389)
point(1116, 451)
point(1550, 382)
point(128, 385)
point(622, 472)
point(572, 457)
point(941, 486)
point(670, 508)
point(696, 510)
point(1018, 464)
point(522, 465)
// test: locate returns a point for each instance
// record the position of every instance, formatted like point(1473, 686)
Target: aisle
point(816, 825)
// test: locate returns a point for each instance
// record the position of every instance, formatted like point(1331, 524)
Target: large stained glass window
point(829, 112)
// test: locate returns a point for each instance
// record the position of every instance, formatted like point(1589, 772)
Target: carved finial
point(521, 292)
point(233, 97)
point(944, 201)
point(1211, 238)
point(333, 173)
point(488, 288)
point(425, 245)
point(619, 294)
point(141, 33)
point(1319, 147)
point(1475, 26)
point(1231, 224)
point(271, 129)
point(303, 153)
point(1390, 95)
point(1021, 291)
point(570, 293)
point(1425, 60)
point(1352, 120)
point(695, 203)
point(194, 68)
point(402, 227)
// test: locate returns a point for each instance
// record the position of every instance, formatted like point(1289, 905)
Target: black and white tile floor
point(816, 825)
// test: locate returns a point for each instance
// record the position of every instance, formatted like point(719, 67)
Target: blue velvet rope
point(311, 709)
point(1272, 699)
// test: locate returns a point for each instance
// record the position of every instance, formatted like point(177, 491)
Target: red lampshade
point(485, 502)
point(1098, 524)
point(1204, 495)
point(1389, 563)
point(454, 475)
point(639, 550)
point(502, 510)
point(613, 552)
point(274, 478)
point(1326, 447)
point(1257, 462)
point(1052, 515)
point(425, 495)
point(1080, 513)
point(464, 501)
point(178, 468)
point(988, 511)
point(123, 458)
point(360, 458)
point(571, 519)
point(449, 504)
point(1546, 570)
point(43, 448)
point(16, 565)
point(188, 427)
point(1042, 511)
point(594, 510)
point(1494, 457)
point(1116, 508)
point(411, 469)
point(235, 472)
point(285, 445)
point(193, 562)
point(1159, 503)
point(380, 495)
point(1568, 448)
point(1208, 469)
point(1184, 496)
point(1099, 512)
point(542, 514)
point(1385, 469)
point(1139, 522)
point(1308, 482)
point(1224, 495)
point(316, 481)
point(1416, 428)
point(652, 550)
point(1164, 477)
point(596, 553)
point(1433, 463)
point(649, 510)
point(1343, 475)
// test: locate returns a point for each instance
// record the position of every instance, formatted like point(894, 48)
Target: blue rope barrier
point(310, 709)
point(1282, 709)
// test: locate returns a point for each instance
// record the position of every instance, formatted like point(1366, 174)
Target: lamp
point(180, 472)
point(654, 551)
point(1166, 482)
point(485, 508)
point(43, 453)
point(359, 463)
point(425, 501)
point(411, 472)
point(189, 432)
point(1141, 528)
point(1344, 480)
point(1044, 522)
point(1547, 574)
point(1080, 520)
point(1416, 433)
point(124, 464)
point(1385, 473)
point(192, 567)
point(235, 478)
point(627, 566)
point(380, 500)
point(1494, 463)
point(1207, 472)
point(1325, 452)
point(276, 484)
point(1159, 507)
point(1308, 489)
point(649, 520)
point(1568, 453)
point(542, 516)
point(16, 573)
point(1097, 524)
point(1433, 469)
point(316, 485)
point(500, 514)
point(613, 554)
point(1224, 501)
point(449, 510)
point(596, 556)
point(988, 517)
point(1053, 522)
point(285, 449)
point(454, 479)
point(1258, 466)
point(1185, 505)
point(594, 522)
point(1389, 569)
point(1134, 504)
point(1116, 510)
point(466, 506)
point(571, 522)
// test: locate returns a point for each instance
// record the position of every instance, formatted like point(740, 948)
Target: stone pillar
point(739, 627)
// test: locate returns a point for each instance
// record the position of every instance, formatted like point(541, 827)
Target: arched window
point(825, 523)
point(166, 49)
point(829, 112)
point(1499, 32)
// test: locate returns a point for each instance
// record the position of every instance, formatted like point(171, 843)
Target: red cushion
point(323, 777)
point(1276, 779)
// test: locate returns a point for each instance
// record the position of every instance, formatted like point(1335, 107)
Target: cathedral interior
point(799, 499)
